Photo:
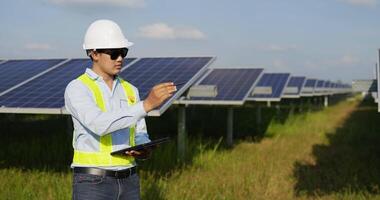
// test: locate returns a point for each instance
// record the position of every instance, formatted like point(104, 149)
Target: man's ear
point(95, 55)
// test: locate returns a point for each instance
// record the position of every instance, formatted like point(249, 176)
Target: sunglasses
point(114, 53)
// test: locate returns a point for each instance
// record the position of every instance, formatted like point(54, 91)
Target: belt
point(102, 172)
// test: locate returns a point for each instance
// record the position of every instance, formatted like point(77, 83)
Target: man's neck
point(108, 78)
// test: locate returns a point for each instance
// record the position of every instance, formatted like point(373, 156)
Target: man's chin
point(116, 71)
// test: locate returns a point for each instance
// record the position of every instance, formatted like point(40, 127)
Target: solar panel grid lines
point(296, 81)
point(15, 73)
point(276, 81)
point(149, 71)
point(46, 91)
point(232, 84)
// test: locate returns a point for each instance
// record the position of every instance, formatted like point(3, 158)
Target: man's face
point(110, 61)
point(109, 66)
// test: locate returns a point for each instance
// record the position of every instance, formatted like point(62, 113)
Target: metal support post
point(230, 121)
point(181, 142)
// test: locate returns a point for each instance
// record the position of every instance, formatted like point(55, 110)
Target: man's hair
point(89, 53)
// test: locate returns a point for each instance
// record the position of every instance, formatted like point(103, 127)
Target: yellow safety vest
point(103, 156)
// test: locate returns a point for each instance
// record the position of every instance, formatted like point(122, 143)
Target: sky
point(325, 39)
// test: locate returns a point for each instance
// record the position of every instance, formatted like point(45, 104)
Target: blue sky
point(329, 39)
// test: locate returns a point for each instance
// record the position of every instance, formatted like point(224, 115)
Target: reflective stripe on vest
point(103, 156)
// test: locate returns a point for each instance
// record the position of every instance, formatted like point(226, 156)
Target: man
point(108, 116)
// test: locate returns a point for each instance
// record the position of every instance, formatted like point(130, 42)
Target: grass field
point(328, 154)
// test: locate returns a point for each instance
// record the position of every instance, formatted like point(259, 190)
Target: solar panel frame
point(277, 98)
point(180, 89)
point(45, 110)
point(218, 100)
point(3, 61)
point(298, 85)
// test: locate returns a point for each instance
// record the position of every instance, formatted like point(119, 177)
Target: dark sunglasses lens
point(118, 52)
point(114, 53)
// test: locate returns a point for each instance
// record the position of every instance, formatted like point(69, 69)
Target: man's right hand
point(158, 95)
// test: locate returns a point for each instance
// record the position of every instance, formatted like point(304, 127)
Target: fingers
point(163, 91)
point(133, 153)
point(163, 85)
point(165, 88)
point(159, 94)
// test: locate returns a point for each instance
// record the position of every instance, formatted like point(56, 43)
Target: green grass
point(288, 164)
point(328, 154)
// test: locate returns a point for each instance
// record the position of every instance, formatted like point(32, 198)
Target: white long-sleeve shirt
point(90, 122)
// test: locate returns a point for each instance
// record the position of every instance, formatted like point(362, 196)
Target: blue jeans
point(93, 187)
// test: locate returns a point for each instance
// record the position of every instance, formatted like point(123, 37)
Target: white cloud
point(278, 48)
point(127, 3)
point(348, 60)
point(368, 3)
point(164, 31)
point(37, 46)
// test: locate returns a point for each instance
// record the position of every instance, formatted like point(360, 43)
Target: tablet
point(142, 146)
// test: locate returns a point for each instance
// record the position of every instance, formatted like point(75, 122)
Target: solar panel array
point(47, 90)
point(233, 86)
point(37, 85)
point(45, 93)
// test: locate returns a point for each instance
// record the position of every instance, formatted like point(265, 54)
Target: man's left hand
point(142, 154)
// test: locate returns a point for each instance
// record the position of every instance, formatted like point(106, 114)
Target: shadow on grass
point(350, 163)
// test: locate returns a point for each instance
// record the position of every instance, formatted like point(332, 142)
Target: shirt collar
point(95, 76)
point(92, 74)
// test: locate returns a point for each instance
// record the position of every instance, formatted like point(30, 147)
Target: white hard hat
point(105, 34)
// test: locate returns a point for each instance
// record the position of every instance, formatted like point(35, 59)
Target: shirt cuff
point(140, 111)
point(141, 138)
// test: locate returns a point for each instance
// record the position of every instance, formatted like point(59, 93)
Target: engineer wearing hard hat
point(108, 116)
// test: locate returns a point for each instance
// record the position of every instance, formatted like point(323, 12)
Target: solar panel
point(270, 87)
point(14, 72)
point(308, 89)
point(147, 72)
point(232, 86)
point(327, 87)
point(47, 91)
point(327, 84)
point(320, 83)
point(294, 87)
point(319, 87)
